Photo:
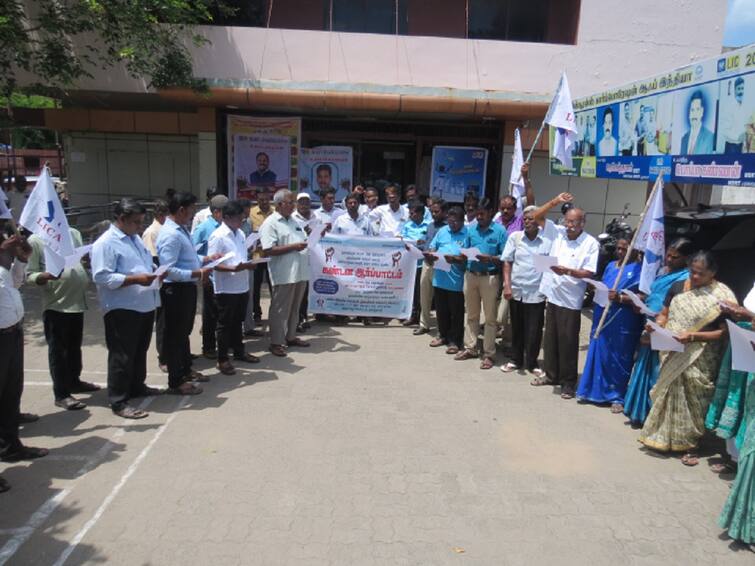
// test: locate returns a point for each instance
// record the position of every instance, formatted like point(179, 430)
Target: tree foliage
point(62, 41)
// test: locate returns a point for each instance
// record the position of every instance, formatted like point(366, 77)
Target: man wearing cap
point(199, 238)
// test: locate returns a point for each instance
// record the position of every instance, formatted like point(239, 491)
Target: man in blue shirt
point(415, 230)
point(199, 238)
point(179, 292)
point(481, 283)
point(122, 269)
point(448, 285)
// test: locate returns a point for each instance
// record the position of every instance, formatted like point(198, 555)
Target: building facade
point(391, 79)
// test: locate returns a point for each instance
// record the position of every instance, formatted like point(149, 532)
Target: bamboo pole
point(534, 143)
point(629, 252)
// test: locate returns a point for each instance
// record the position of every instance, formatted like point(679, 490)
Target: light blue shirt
point(416, 232)
point(174, 246)
point(520, 251)
point(203, 232)
point(114, 256)
point(446, 242)
point(489, 242)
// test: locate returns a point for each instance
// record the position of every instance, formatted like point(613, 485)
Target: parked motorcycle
point(617, 229)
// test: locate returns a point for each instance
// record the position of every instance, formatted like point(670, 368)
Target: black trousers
point(260, 273)
point(416, 305)
point(11, 387)
point(63, 333)
point(562, 344)
point(231, 314)
point(159, 326)
point(209, 318)
point(127, 336)
point(526, 332)
point(449, 310)
point(179, 302)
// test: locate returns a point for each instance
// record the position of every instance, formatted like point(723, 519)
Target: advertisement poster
point(695, 124)
point(358, 276)
point(263, 153)
point(457, 170)
point(327, 166)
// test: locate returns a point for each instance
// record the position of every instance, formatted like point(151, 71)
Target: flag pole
point(534, 143)
point(629, 253)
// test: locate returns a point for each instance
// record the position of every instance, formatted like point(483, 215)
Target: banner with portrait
point(263, 153)
point(458, 170)
point(695, 124)
point(361, 276)
point(326, 166)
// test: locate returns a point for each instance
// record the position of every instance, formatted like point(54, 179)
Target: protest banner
point(694, 124)
point(262, 153)
point(457, 170)
point(361, 276)
point(326, 166)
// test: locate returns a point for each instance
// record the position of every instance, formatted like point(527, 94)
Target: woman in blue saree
point(609, 358)
point(647, 364)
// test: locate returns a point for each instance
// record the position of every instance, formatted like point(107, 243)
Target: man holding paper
point(178, 295)
point(448, 281)
point(63, 306)
point(481, 282)
point(285, 243)
point(199, 237)
point(416, 231)
point(577, 256)
point(120, 265)
point(231, 284)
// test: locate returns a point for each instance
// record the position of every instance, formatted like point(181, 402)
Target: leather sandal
point(129, 412)
point(70, 404)
point(196, 376)
point(464, 355)
point(226, 368)
point(248, 358)
point(185, 388)
point(278, 350)
point(298, 342)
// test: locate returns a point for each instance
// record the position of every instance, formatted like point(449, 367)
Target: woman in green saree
point(692, 312)
point(738, 515)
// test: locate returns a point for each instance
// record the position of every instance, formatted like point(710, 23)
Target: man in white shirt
point(149, 236)
point(231, 285)
point(328, 213)
point(607, 145)
point(734, 120)
point(390, 218)
point(577, 255)
point(352, 223)
point(14, 253)
point(285, 243)
point(303, 213)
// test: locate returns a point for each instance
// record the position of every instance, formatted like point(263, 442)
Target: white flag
point(4, 210)
point(651, 239)
point(561, 116)
point(43, 215)
point(515, 179)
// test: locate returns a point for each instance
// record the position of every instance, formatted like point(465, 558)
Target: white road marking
point(86, 371)
point(114, 492)
point(44, 511)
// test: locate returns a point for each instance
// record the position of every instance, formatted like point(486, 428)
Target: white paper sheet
point(543, 263)
point(601, 291)
point(742, 348)
point(663, 340)
point(75, 259)
point(636, 301)
point(315, 236)
point(156, 282)
point(252, 239)
point(223, 259)
point(471, 253)
point(440, 262)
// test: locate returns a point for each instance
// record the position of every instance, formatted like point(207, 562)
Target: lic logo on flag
point(721, 65)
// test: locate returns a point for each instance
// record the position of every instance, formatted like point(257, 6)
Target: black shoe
point(421, 330)
point(26, 418)
point(25, 453)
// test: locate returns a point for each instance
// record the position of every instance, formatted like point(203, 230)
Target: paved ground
point(368, 448)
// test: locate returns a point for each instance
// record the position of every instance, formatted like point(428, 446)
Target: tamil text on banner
point(695, 124)
point(324, 167)
point(356, 276)
point(457, 170)
point(263, 153)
